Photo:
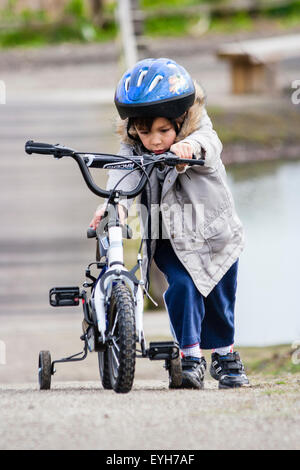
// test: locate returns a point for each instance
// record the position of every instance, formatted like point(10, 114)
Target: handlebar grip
point(198, 161)
point(39, 147)
point(172, 160)
point(91, 233)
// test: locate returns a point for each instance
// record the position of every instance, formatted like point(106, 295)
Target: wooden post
point(248, 77)
point(129, 48)
point(138, 18)
point(97, 12)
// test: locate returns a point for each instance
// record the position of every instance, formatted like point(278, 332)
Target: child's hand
point(97, 217)
point(100, 212)
point(182, 150)
point(122, 214)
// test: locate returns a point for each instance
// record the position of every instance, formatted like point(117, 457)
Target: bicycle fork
point(116, 272)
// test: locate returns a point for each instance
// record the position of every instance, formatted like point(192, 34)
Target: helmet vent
point(126, 85)
point(155, 82)
point(141, 77)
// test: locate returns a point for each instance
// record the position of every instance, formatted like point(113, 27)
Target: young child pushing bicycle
point(163, 110)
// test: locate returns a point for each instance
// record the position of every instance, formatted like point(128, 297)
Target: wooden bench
point(253, 62)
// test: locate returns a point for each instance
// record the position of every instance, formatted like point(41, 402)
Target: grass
point(271, 360)
point(257, 126)
point(79, 32)
point(239, 22)
point(37, 29)
point(173, 26)
point(275, 361)
point(154, 4)
point(179, 25)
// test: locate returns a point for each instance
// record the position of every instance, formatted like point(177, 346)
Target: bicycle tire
point(104, 370)
point(44, 370)
point(175, 373)
point(122, 344)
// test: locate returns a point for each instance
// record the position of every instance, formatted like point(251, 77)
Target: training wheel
point(45, 370)
point(175, 373)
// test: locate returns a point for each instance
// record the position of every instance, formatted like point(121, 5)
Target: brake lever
point(62, 151)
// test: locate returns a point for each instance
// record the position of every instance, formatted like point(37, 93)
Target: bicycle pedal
point(64, 296)
point(163, 350)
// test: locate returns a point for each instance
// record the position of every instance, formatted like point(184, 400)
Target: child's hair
point(183, 125)
point(145, 123)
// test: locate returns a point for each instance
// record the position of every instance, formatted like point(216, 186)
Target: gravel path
point(78, 414)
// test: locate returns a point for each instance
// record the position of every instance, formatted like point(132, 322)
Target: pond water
point(267, 199)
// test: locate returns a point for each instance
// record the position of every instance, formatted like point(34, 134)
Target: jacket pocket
point(218, 234)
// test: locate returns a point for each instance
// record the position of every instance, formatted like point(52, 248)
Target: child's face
point(160, 137)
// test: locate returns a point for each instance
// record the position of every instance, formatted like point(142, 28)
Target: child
point(163, 110)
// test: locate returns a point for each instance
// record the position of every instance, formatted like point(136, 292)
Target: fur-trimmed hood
point(190, 124)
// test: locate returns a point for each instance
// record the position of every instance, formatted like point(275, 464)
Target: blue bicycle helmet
point(154, 88)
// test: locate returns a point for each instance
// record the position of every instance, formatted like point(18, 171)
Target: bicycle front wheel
point(121, 339)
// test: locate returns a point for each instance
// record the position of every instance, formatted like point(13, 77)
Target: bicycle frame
point(117, 272)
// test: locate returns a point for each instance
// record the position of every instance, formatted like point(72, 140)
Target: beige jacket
point(197, 207)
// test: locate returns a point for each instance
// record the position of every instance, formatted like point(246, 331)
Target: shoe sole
point(228, 387)
point(225, 387)
point(188, 383)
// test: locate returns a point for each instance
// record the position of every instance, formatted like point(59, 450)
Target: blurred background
point(60, 61)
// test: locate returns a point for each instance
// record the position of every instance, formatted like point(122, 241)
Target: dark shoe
point(228, 370)
point(193, 372)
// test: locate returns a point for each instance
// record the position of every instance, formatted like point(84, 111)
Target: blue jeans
point(194, 318)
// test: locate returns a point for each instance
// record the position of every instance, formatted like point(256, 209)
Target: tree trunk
point(96, 7)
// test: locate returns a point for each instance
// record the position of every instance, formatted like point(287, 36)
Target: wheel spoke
point(114, 340)
point(116, 360)
point(115, 324)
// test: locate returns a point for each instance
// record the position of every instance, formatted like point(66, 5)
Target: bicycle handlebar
point(109, 161)
point(57, 150)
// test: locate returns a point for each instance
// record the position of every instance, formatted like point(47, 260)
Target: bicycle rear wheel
point(121, 339)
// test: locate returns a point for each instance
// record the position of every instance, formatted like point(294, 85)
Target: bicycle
point(113, 309)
